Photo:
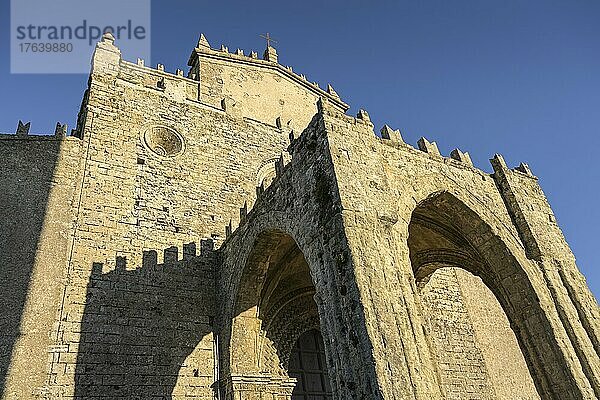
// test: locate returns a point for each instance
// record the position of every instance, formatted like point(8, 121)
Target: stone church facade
point(232, 233)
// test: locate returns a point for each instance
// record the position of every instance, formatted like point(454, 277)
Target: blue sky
point(520, 78)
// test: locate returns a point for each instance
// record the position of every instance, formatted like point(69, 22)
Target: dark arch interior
point(286, 306)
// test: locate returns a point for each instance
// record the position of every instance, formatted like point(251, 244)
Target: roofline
point(286, 71)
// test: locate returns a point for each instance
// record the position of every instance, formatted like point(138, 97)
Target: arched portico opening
point(447, 238)
point(273, 313)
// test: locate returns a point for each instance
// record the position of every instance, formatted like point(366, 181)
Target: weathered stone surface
point(192, 230)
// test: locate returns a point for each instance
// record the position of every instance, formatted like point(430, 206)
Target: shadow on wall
point(139, 327)
point(26, 173)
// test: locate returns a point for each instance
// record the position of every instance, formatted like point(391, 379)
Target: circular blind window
point(164, 141)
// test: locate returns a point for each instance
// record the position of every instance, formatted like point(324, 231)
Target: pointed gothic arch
point(273, 308)
point(445, 232)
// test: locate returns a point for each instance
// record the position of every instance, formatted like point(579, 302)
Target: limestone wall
point(302, 203)
point(382, 182)
point(162, 172)
point(146, 331)
point(451, 341)
point(459, 359)
point(459, 362)
point(476, 351)
point(40, 181)
point(494, 337)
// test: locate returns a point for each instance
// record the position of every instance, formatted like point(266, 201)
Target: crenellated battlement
point(393, 138)
point(23, 133)
point(169, 259)
point(160, 70)
point(108, 63)
point(174, 85)
point(499, 164)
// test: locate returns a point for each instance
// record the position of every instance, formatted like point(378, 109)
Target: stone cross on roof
point(268, 38)
point(270, 53)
